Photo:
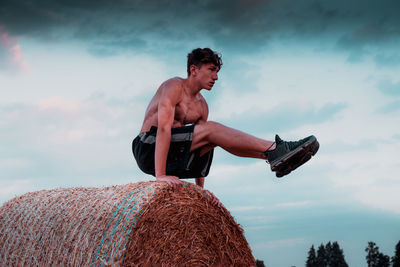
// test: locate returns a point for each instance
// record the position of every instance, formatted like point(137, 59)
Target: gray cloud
point(11, 57)
point(113, 26)
point(283, 118)
point(382, 32)
point(382, 60)
point(4, 48)
point(3, 57)
point(391, 107)
point(42, 141)
point(389, 87)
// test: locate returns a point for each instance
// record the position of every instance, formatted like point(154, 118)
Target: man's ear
point(193, 70)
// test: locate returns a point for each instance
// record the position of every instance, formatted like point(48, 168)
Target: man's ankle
point(271, 147)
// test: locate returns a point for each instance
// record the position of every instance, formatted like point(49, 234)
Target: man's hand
point(214, 199)
point(173, 181)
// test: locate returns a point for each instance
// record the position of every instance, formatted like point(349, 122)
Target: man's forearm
point(163, 140)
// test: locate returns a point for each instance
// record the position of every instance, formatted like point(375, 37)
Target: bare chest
point(189, 111)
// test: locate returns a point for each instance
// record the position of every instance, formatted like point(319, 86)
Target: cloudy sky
point(76, 76)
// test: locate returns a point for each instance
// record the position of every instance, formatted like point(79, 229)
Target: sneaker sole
point(283, 172)
point(295, 158)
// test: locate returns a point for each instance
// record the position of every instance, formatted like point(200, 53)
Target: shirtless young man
point(177, 141)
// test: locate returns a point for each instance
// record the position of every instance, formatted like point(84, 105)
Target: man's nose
point(215, 76)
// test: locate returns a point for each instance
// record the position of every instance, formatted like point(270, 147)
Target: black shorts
point(180, 161)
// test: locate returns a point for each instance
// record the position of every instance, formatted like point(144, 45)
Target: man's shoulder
point(175, 82)
point(203, 101)
point(172, 88)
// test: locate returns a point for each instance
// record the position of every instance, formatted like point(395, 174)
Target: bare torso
point(189, 109)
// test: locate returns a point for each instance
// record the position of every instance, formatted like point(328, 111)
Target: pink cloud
point(11, 56)
point(59, 104)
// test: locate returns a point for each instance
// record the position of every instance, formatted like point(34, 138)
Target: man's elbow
point(164, 130)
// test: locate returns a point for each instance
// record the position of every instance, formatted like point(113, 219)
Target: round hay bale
point(139, 224)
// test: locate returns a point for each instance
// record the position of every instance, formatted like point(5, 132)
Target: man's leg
point(210, 134)
point(283, 156)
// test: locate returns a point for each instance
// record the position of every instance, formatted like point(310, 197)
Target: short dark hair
point(199, 56)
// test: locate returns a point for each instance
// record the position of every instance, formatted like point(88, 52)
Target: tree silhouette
point(321, 256)
point(396, 257)
point(312, 259)
point(375, 258)
point(372, 254)
point(329, 255)
point(383, 260)
point(260, 263)
point(336, 258)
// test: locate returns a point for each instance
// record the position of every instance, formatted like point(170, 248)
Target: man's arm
point(170, 96)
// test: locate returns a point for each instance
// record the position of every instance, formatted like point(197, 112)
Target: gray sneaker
point(288, 156)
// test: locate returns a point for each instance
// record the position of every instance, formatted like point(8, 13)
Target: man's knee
point(207, 148)
point(207, 128)
point(202, 135)
point(213, 124)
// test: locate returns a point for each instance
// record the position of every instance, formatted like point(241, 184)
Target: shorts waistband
point(178, 135)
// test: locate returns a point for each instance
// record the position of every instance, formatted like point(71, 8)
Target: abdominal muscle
point(151, 118)
point(152, 121)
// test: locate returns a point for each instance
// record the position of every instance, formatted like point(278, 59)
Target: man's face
point(207, 75)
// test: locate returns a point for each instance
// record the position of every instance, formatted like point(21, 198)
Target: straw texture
point(139, 224)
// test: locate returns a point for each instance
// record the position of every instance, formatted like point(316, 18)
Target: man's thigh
point(201, 137)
